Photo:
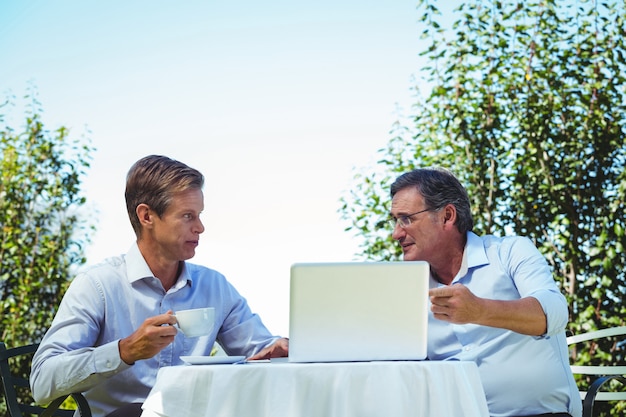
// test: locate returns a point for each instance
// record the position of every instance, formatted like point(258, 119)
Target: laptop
point(358, 311)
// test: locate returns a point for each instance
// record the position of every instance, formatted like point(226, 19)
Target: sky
point(277, 103)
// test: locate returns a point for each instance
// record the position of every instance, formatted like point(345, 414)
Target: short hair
point(154, 180)
point(439, 187)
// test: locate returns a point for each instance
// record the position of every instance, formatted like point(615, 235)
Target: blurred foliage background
point(526, 104)
point(42, 233)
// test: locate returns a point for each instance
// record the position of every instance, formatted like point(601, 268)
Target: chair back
point(15, 385)
point(600, 375)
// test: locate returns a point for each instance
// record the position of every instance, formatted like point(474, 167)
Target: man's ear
point(144, 214)
point(449, 214)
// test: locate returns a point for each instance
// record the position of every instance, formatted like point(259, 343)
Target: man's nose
point(398, 232)
point(200, 227)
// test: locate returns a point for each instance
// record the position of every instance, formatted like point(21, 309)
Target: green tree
point(41, 231)
point(526, 105)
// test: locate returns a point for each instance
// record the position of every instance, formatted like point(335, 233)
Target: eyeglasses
point(404, 221)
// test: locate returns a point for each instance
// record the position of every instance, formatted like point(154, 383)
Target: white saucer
point(211, 360)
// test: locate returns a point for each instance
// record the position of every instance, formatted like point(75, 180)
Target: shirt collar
point(137, 268)
point(475, 251)
point(474, 255)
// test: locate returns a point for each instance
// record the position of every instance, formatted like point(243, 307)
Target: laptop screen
point(358, 311)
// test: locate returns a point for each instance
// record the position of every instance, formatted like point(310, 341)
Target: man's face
point(177, 232)
point(419, 238)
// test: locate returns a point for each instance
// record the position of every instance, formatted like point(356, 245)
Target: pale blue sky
point(276, 102)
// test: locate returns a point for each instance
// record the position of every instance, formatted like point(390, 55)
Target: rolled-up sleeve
point(533, 278)
point(554, 307)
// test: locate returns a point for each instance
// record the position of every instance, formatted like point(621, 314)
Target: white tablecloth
point(356, 389)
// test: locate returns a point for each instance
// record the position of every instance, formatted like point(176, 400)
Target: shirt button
point(467, 348)
point(108, 364)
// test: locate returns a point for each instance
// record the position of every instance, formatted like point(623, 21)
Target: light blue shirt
point(522, 375)
point(109, 301)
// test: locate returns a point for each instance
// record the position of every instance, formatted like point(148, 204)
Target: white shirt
point(521, 375)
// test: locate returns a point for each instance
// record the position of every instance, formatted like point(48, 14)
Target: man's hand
point(455, 304)
point(279, 349)
point(149, 339)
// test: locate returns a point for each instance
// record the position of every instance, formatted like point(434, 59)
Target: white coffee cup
point(196, 322)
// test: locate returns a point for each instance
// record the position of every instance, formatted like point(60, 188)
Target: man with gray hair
point(493, 300)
